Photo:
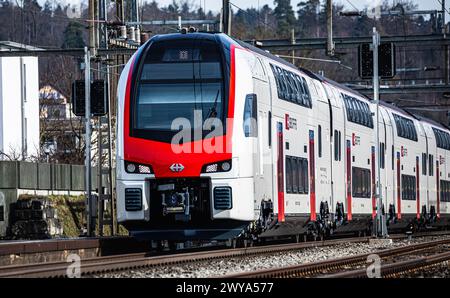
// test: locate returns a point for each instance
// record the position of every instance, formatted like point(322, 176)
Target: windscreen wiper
point(212, 111)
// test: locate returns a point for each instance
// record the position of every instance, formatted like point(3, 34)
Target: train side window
point(307, 93)
point(355, 110)
point(320, 140)
point(282, 83)
point(445, 191)
point(382, 155)
point(336, 145)
point(2, 213)
point(340, 146)
point(361, 184)
point(289, 174)
point(368, 184)
point(270, 128)
point(360, 113)
point(301, 176)
point(347, 108)
point(277, 80)
point(424, 164)
point(393, 157)
point(369, 114)
point(291, 87)
point(445, 194)
point(405, 128)
point(297, 95)
point(296, 175)
point(305, 170)
point(442, 139)
point(251, 116)
point(352, 111)
point(431, 165)
point(408, 188)
point(303, 99)
point(290, 82)
point(295, 172)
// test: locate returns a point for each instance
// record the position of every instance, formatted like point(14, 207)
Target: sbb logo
point(404, 152)
point(356, 140)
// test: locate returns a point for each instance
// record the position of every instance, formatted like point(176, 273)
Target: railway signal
point(87, 115)
point(380, 227)
point(98, 95)
point(386, 59)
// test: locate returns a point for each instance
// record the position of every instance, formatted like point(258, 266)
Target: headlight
point(217, 167)
point(134, 168)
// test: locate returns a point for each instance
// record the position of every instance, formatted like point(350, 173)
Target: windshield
point(179, 79)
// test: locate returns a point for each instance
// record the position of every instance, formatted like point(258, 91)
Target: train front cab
point(206, 191)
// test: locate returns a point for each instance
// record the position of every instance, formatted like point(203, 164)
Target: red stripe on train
point(418, 186)
point(438, 192)
point(312, 180)
point(280, 166)
point(399, 199)
point(349, 181)
point(374, 201)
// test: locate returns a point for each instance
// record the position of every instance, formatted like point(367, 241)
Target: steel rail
point(131, 261)
point(91, 266)
point(317, 268)
point(394, 269)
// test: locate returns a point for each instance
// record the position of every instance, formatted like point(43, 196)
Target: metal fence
point(44, 176)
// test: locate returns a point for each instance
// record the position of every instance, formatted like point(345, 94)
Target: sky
point(215, 5)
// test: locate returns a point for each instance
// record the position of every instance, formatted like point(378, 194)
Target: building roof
point(48, 92)
point(15, 46)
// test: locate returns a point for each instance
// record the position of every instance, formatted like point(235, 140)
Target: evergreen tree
point(73, 36)
point(285, 17)
point(310, 18)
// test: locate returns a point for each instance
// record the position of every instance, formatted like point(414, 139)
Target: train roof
point(305, 71)
point(432, 122)
point(397, 109)
point(225, 38)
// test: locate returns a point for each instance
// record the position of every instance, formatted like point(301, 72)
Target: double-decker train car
point(218, 139)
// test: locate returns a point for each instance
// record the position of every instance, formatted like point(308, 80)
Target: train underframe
point(181, 209)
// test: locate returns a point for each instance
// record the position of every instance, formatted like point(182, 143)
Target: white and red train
point(219, 139)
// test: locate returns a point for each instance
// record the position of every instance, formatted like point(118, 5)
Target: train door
point(262, 152)
point(383, 142)
point(337, 147)
point(278, 169)
point(322, 167)
point(389, 162)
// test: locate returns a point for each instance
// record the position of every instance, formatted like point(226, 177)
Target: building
point(19, 104)
point(61, 130)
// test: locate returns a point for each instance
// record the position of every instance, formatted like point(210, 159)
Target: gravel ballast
point(217, 268)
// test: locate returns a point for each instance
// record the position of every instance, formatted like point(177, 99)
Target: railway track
point(393, 270)
point(345, 265)
point(98, 265)
point(121, 262)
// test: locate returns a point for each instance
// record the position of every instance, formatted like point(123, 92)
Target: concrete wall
point(11, 91)
point(17, 178)
point(40, 179)
point(7, 197)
